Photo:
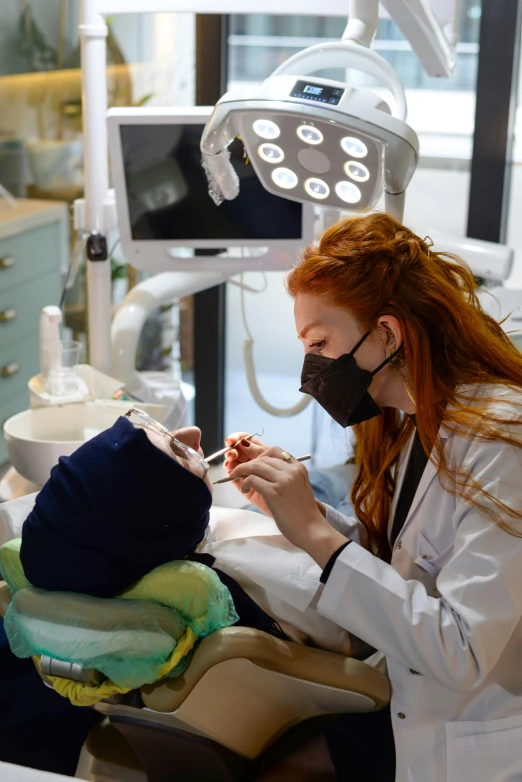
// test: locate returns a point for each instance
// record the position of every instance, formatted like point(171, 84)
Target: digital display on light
point(319, 93)
point(312, 89)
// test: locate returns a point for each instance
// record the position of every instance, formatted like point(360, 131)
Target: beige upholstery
point(5, 598)
point(290, 659)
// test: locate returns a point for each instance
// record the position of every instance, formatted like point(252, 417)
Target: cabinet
point(33, 258)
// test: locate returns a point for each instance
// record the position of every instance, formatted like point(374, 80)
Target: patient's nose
point(189, 435)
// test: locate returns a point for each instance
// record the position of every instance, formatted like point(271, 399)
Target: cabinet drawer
point(14, 405)
point(20, 307)
point(19, 361)
point(34, 252)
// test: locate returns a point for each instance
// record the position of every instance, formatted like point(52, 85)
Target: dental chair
point(245, 700)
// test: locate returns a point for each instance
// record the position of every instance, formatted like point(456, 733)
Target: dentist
point(429, 572)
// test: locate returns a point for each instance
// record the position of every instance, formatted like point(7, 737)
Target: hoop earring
point(397, 359)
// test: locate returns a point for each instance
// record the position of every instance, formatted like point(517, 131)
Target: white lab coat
point(447, 615)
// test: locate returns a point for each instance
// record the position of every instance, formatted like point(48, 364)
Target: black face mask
point(341, 387)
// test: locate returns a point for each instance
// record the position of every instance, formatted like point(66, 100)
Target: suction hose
point(250, 370)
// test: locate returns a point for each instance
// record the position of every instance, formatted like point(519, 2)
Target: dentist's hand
point(245, 452)
point(285, 489)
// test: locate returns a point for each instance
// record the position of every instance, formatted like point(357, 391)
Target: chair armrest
point(288, 658)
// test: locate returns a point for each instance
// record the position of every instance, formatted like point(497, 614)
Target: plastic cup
point(59, 357)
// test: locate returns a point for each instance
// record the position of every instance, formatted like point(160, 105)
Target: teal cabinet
point(34, 248)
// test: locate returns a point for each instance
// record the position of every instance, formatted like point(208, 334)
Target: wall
point(46, 15)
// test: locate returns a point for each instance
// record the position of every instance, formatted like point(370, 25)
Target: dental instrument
point(229, 447)
point(297, 458)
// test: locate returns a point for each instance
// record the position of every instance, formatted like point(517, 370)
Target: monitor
point(165, 212)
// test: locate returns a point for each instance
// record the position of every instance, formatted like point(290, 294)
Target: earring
point(398, 361)
point(400, 377)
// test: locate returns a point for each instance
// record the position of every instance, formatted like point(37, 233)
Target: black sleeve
point(331, 562)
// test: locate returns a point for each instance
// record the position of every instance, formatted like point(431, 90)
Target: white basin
point(36, 438)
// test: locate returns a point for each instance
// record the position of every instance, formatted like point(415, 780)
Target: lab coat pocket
point(429, 564)
point(484, 751)
point(430, 560)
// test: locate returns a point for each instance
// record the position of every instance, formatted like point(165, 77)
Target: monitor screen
point(167, 191)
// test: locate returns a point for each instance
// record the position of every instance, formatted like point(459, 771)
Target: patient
point(134, 498)
point(124, 503)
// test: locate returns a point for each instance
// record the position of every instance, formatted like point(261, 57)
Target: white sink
point(37, 438)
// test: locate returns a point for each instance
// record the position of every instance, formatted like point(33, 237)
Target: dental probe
point(228, 448)
point(297, 458)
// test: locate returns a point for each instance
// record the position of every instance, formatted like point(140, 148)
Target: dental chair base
point(120, 749)
point(166, 754)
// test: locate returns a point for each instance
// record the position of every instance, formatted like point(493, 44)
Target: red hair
point(373, 266)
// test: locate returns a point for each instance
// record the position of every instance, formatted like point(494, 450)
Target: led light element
point(271, 153)
point(266, 129)
point(285, 178)
point(316, 188)
point(348, 192)
point(354, 146)
point(309, 134)
point(357, 171)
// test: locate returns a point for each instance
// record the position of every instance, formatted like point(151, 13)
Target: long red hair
point(372, 266)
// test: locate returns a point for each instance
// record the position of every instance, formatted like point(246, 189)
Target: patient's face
point(189, 435)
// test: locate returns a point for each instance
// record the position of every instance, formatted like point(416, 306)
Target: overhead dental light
point(323, 141)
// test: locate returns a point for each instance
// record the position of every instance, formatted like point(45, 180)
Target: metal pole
point(210, 305)
point(494, 119)
point(93, 35)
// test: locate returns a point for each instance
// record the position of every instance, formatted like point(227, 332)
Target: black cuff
point(331, 562)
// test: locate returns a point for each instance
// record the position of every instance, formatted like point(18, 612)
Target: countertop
point(30, 213)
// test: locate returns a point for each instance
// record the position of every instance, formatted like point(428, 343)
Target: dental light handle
point(363, 19)
point(280, 412)
point(347, 54)
point(50, 319)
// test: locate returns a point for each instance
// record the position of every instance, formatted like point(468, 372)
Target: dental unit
point(318, 144)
